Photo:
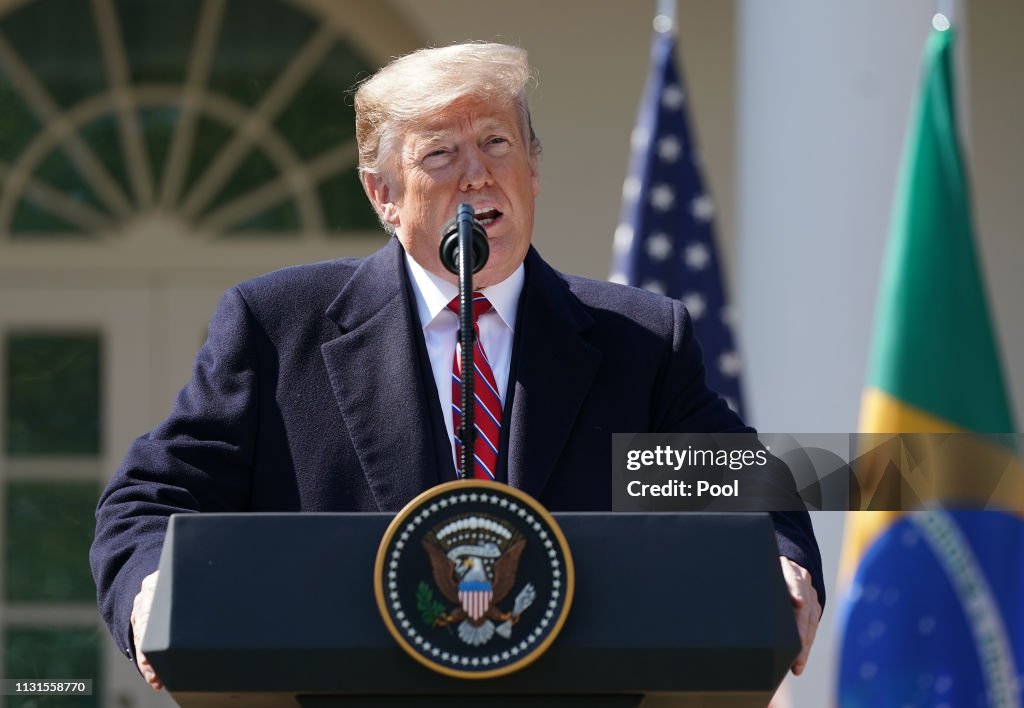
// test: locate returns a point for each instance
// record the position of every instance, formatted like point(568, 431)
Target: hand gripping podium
point(268, 610)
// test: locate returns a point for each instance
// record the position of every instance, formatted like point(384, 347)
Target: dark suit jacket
point(313, 392)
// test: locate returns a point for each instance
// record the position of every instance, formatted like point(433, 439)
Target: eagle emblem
point(474, 579)
point(474, 560)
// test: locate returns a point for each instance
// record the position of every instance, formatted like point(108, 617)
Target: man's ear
point(380, 196)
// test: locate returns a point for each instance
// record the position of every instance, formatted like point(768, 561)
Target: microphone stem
point(467, 338)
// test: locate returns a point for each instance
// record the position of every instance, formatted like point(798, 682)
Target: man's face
point(474, 153)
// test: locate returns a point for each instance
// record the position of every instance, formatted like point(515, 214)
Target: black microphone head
point(449, 248)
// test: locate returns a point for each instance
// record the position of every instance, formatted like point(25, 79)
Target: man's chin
point(490, 275)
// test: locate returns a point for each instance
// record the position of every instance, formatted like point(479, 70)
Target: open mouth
point(486, 216)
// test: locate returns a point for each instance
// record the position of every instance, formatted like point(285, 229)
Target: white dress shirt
point(441, 325)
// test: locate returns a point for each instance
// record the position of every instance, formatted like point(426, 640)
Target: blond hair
point(424, 83)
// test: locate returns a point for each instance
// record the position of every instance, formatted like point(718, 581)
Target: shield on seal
point(475, 596)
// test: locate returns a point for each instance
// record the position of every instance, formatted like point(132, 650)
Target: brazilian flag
point(933, 613)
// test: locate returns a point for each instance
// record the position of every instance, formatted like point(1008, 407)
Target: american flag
point(665, 239)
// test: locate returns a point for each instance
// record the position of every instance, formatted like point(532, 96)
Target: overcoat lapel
point(374, 371)
point(553, 368)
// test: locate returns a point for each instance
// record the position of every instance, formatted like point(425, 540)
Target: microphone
point(449, 249)
point(463, 239)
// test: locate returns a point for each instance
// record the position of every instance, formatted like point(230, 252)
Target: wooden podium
point(268, 610)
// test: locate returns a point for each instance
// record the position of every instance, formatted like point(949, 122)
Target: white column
point(824, 91)
point(824, 94)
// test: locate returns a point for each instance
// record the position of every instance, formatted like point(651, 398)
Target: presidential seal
point(474, 579)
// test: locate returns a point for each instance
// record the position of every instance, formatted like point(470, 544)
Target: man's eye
point(498, 145)
point(436, 158)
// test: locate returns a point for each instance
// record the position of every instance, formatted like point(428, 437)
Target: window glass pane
point(32, 653)
point(57, 40)
point(258, 39)
point(210, 137)
point(158, 129)
point(251, 172)
point(53, 394)
point(158, 37)
point(322, 115)
point(30, 220)
point(104, 138)
point(17, 123)
point(346, 207)
point(57, 170)
point(49, 530)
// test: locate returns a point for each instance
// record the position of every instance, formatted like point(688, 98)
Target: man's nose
point(475, 171)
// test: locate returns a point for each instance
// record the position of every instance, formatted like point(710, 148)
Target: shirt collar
point(434, 293)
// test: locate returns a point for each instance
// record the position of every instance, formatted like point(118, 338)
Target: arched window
point(227, 118)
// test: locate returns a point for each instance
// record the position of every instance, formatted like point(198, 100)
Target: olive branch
point(430, 609)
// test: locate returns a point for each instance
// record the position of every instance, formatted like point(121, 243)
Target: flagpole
point(665, 19)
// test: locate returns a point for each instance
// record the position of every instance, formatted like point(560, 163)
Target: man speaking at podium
point(330, 387)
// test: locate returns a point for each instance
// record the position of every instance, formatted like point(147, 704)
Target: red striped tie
point(487, 414)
